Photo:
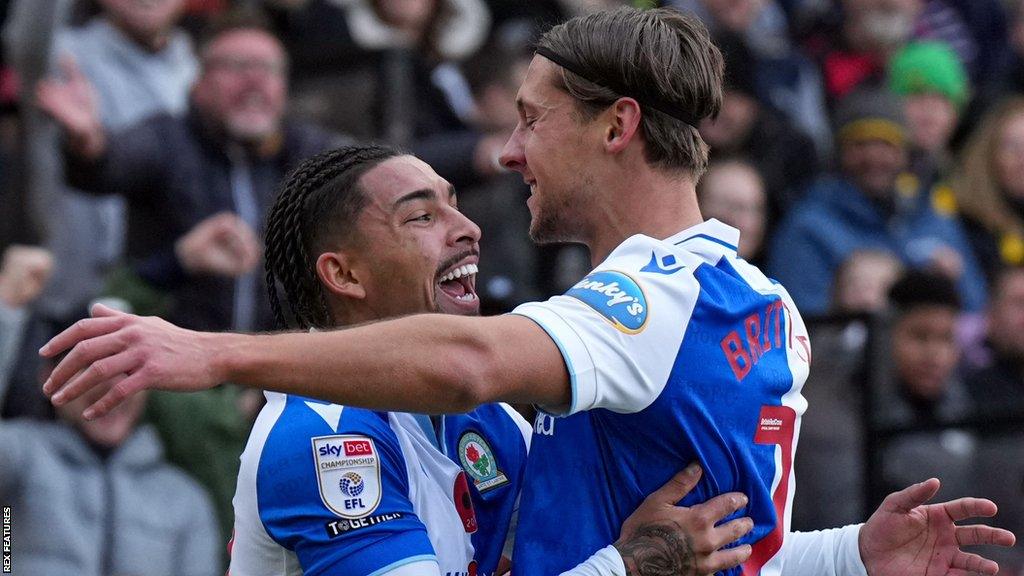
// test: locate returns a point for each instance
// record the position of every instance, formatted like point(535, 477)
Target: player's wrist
point(230, 356)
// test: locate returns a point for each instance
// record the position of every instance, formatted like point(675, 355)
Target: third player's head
point(365, 232)
point(604, 100)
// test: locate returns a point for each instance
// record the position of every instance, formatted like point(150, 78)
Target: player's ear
point(623, 122)
point(335, 272)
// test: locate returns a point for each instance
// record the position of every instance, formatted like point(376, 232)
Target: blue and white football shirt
point(678, 351)
point(325, 489)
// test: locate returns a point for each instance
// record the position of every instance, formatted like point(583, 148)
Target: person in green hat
point(935, 89)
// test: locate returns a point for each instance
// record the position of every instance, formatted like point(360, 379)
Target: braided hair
point(319, 201)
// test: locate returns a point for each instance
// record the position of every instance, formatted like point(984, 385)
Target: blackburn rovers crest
point(479, 462)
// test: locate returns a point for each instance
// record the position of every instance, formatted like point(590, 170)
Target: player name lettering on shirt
point(759, 334)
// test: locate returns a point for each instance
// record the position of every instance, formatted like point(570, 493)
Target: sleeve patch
point(615, 296)
point(347, 474)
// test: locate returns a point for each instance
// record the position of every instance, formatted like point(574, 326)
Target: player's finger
point(82, 330)
point(117, 394)
point(85, 352)
point(103, 311)
point(99, 372)
point(720, 507)
point(912, 496)
point(973, 563)
point(964, 508)
point(981, 535)
point(730, 532)
point(722, 560)
point(678, 486)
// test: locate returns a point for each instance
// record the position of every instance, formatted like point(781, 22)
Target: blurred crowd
point(870, 151)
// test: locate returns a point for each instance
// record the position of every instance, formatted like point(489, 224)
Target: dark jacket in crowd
point(836, 219)
point(998, 389)
point(174, 173)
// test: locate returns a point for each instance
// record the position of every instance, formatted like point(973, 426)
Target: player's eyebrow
point(421, 194)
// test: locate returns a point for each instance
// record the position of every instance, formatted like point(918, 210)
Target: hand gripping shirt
point(325, 489)
point(677, 351)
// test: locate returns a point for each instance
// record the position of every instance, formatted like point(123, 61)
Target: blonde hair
point(978, 192)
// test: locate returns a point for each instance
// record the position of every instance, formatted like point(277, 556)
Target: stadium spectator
point(925, 388)
point(732, 191)
point(94, 498)
point(863, 281)
point(139, 64)
point(870, 32)
point(1008, 77)
point(870, 204)
point(387, 69)
point(227, 154)
point(786, 79)
point(784, 156)
point(24, 271)
point(989, 187)
point(998, 387)
point(935, 89)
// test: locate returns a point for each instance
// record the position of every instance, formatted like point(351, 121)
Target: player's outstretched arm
point(428, 363)
point(907, 537)
point(904, 537)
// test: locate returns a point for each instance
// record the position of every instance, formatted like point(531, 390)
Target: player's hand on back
point(663, 538)
point(906, 537)
point(152, 353)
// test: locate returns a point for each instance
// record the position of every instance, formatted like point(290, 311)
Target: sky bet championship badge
point(478, 461)
point(615, 296)
point(348, 474)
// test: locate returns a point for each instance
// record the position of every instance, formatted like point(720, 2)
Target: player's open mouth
point(459, 283)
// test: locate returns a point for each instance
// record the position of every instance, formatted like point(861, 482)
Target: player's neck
point(648, 203)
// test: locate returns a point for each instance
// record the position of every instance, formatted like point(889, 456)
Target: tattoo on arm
point(658, 550)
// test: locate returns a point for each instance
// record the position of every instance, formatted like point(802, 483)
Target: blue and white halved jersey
point(678, 351)
point(325, 489)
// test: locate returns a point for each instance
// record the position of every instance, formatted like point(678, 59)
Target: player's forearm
point(428, 363)
point(832, 552)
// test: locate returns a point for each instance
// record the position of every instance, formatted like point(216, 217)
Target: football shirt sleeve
point(619, 330)
point(347, 509)
point(832, 552)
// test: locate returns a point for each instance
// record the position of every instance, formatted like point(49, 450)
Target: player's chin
point(467, 304)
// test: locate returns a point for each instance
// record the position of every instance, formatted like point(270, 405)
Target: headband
point(651, 102)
